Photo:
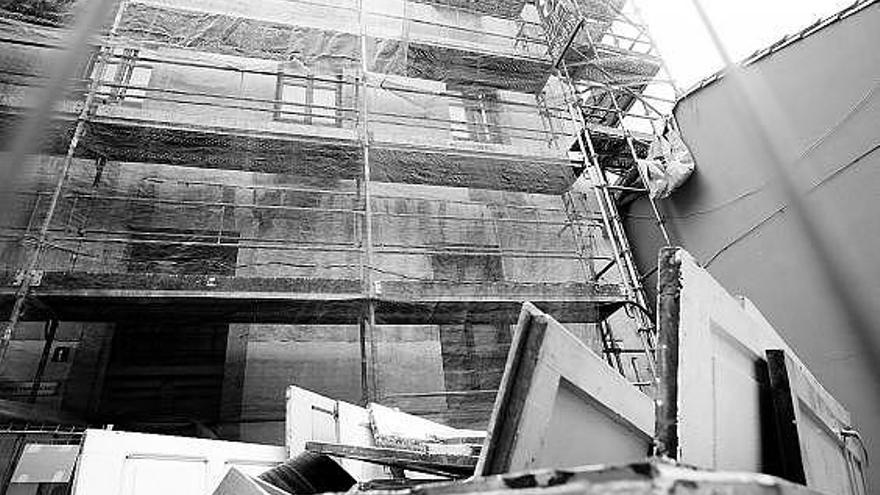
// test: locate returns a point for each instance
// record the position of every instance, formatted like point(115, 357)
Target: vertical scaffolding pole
point(367, 334)
point(568, 27)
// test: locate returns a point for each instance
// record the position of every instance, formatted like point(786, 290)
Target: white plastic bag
point(669, 163)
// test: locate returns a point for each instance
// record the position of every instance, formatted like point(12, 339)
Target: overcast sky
point(744, 26)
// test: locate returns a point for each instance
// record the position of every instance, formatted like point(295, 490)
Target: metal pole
point(49, 335)
point(29, 277)
point(369, 379)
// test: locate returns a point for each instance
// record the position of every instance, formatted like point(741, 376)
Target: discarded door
point(123, 463)
point(717, 407)
point(561, 405)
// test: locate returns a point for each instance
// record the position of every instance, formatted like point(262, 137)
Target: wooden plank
point(668, 303)
point(792, 463)
point(399, 430)
point(444, 464)
point(813, 426)
point(559, 404)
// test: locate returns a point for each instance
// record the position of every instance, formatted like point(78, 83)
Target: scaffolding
point(396, 173)
point(619, 94)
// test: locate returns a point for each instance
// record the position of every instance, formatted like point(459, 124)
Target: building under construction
point(352, 196)
point(235, 235)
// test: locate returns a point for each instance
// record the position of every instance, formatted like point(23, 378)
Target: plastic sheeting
point(228, 154)
point(669, 163)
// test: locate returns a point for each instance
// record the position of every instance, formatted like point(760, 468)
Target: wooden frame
point(447, 465)
point(716, 408)
point(816, 439)
point(733, 395)
point(560, 404)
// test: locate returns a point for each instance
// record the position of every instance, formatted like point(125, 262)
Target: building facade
point(352, 197)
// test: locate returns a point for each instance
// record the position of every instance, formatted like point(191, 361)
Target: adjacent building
point(813, 110)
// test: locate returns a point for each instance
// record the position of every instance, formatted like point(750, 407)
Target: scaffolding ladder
point(594, 102)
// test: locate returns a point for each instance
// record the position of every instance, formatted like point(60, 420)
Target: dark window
point(181, 251)
point(309, 99)
point(475, 117)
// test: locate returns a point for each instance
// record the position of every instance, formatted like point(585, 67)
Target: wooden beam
point(443, 464)
point(792, 463)
point(668, 301)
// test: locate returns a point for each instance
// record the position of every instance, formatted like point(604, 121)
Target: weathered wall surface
point(820, 96)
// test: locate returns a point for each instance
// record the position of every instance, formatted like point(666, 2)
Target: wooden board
point(559, 404)
point(811, 423)
point(437, 464)
point(398, 430)
point(314, 417)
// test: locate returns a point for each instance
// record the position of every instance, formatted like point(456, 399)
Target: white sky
point(744, 26)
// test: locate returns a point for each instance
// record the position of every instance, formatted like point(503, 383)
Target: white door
point(122, 463)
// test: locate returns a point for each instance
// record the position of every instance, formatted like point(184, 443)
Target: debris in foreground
point(651, 477)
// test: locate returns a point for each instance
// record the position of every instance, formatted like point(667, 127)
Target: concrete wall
point(820, 96)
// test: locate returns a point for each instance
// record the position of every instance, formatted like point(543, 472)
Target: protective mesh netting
point(216, 238)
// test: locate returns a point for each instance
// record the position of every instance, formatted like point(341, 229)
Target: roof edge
point(785, 41)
